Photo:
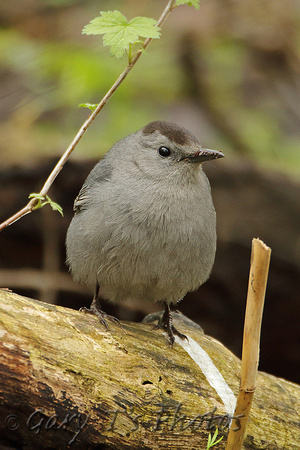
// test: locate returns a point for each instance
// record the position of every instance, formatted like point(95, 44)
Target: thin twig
point(260, 260)
point(31, 205)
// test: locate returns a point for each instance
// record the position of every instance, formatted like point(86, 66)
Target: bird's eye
point(164, 151)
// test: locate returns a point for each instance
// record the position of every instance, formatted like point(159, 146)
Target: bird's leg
point(166, 323)
point(95, 309)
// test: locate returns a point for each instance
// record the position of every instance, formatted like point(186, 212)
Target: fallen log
point(66, 382)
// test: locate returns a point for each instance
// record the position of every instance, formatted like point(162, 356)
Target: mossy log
point(66, 382)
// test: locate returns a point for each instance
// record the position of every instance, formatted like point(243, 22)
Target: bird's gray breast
point(161, 241)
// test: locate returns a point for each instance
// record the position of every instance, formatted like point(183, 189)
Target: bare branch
point(60, 164)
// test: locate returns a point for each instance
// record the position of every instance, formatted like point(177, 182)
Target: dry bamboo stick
point(260, 260)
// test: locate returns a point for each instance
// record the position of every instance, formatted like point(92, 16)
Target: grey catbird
point(144, 224)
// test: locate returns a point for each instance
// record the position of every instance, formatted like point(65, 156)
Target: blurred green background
point(228, 71)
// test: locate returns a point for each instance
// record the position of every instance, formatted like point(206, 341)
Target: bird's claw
point(102, 316)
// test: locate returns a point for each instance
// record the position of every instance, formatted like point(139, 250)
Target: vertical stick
point(260, 261)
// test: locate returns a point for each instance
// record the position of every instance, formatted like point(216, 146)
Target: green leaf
point(219, 440)
point(119, 34)
point(46, 200)
point(35, 195)
point(91, 106)
point(55, 206)
point(211, 441)
point(195, 3)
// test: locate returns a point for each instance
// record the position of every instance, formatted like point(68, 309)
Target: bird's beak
point(204, 154)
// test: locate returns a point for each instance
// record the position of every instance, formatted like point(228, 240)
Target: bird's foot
point(102, 316)
point(171, 331)
point(165, 322)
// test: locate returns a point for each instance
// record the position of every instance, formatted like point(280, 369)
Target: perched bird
point(144, 224)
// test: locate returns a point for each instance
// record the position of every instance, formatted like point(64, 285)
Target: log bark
point(65, 382)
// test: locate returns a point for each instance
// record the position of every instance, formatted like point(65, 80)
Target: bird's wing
point(81, 199)
point(100, 173)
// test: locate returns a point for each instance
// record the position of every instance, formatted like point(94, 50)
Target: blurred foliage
point(250, 84)
point(56, 78)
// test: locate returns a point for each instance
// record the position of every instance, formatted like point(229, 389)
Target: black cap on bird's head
point(184, 138)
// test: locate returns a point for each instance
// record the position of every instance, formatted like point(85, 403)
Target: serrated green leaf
point(105, 22)
point(91, 106)
point(195, 3)
point(119, 34)
point(145, 27)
